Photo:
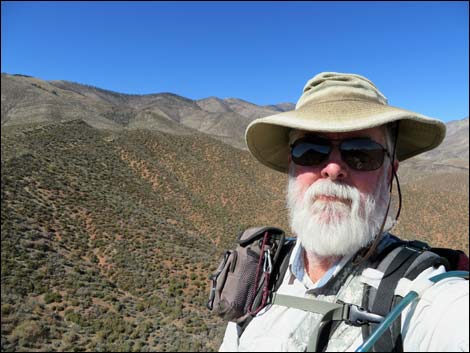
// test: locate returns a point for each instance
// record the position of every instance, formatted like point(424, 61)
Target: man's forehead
point(376, 133)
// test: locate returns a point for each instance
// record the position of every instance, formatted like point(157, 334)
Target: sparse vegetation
point(107, 244)
point(108, 237)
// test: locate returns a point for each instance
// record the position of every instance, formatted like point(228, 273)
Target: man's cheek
point(304, 180)
point(301, 189)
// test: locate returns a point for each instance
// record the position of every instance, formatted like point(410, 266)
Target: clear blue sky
point(416, 52)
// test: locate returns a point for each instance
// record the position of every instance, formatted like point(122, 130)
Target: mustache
point(332, 189)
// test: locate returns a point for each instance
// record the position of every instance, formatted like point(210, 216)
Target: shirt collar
point(297, 266)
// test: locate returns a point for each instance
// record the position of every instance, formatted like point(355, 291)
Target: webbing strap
point(392, 275)
point(310, 304)
point(385, 294)
point(330, 311)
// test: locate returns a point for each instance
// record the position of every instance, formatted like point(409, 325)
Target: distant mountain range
point(450, 157)
point(116, 208)
point(27, 99)
point(455, 145)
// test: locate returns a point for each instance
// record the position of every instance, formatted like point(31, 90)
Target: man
point(341, 147)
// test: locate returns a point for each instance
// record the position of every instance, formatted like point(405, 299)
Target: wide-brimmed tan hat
point(338, 102)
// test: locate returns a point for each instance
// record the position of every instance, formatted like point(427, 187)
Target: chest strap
point(351, 314)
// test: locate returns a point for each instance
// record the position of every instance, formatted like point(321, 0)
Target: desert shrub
point(94, 258)
point(29, 331)
point(7, 309)
point(140, 306)
point(72, 316)
point(50, 297)
point(70, 337)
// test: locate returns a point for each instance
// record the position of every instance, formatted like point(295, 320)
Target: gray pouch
point(234, 294)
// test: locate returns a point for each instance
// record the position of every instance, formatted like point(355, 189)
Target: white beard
point(334, 228)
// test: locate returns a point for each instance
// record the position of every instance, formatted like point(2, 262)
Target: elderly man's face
point(335, 169)
point(334, 209)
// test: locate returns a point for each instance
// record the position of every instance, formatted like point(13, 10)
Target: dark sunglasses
point(358, 153)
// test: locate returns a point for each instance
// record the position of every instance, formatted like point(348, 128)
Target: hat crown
point(334, 86)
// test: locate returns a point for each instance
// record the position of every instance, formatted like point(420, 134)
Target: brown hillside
point(108, 237)
point(435, 209)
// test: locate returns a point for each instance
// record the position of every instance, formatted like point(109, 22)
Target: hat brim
point(268, 138)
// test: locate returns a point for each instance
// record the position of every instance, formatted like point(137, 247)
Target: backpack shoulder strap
point(406, 259)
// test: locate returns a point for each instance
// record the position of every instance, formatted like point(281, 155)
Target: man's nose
point(334, 168)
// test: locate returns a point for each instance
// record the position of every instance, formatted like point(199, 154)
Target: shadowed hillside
point(108, 238)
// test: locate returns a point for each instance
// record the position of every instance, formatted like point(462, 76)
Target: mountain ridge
point(31, 99)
